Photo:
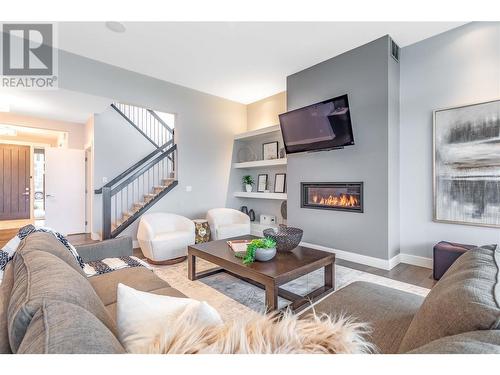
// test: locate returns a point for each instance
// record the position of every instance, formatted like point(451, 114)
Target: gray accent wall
point(205, 127)
point(393, 157)
point(458, 67)
point(371, 81)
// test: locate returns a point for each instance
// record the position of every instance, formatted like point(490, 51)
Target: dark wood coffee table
point(267, 275)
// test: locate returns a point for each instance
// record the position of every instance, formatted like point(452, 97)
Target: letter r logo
point(27, 49)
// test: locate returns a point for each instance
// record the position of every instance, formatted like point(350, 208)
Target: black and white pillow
point(99, 267)
point(7, 252)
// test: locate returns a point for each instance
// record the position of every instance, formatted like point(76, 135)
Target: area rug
point(233, 297)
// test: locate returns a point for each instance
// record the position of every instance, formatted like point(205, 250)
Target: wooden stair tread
point(138, 206)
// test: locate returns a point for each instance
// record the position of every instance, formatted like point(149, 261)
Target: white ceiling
point(243, 62)
point(62, 105)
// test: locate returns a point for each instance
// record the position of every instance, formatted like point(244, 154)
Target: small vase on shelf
point(248, 182)
point(251, 213)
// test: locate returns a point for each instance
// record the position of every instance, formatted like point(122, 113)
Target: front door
point(14, 182)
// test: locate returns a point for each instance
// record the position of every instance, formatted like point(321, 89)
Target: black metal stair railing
point(125, 201)
point(146, 122)
point(136, 189)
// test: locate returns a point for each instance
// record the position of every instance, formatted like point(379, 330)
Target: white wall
point(205, 127)
point(458, 67)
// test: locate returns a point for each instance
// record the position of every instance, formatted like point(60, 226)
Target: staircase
point(127, 196)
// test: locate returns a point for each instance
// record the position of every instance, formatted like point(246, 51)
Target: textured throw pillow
point(466, 299)
point(475, 342)
point(39, 276)
point(7, 252)
point(48, 242)
point(142, 316)
point(64, 328)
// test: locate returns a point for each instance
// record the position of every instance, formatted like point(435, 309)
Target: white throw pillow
point(141, 316)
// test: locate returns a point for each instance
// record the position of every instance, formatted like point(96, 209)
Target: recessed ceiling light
point(117, 27)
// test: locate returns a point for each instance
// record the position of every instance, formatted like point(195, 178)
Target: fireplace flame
point(343, 200)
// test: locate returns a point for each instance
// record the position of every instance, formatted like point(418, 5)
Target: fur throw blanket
point(263, 334)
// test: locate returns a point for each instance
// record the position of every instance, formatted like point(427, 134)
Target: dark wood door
point(14, 182)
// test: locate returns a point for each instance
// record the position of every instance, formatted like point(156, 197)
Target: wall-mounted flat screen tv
point(321, 126)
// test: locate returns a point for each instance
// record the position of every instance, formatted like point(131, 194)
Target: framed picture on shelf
point(279, 182)
point(270, 151)
point(262, 183)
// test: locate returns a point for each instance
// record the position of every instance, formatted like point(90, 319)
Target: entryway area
point(43, 140)
point(23, 172)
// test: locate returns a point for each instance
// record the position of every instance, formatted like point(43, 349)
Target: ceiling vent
point(394, 50)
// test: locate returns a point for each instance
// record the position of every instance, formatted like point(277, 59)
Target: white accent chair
point(164, 237)
point(227, 223)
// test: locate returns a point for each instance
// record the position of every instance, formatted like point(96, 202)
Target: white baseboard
point(352, 257)
point(416, 260)
point(385, 264)
point(394, 261)
point(95, 236)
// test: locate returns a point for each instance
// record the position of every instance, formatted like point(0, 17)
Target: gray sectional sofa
point(461, 314)
point(48, 305)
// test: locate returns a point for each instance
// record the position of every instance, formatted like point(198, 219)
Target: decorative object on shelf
point(467, 164)
point(251, 214)
point(248, 182)
point(287, 238)
point(262, 183)
point(267, 219)
point(246, 153)
point(283, 209)
point(270, 151)
point(262, 250)
point(244, 209)
point(282, 153)
point(202, 230)
point(279, 182)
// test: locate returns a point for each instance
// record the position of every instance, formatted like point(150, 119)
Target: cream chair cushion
point(227, 222)
point(165, 236)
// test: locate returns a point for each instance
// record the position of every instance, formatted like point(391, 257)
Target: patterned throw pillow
point(7, 253)
point(99, 267)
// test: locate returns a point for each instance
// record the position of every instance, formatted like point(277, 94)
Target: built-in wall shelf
point(261, 163)
point(257, 133)
point(244, 194)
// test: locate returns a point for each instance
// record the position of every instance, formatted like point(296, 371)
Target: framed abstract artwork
point(466, 164)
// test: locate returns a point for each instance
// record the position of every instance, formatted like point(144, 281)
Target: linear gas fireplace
point(341, 196)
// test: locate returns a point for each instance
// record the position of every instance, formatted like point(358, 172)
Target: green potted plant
point(248, 182)
point(262, 249)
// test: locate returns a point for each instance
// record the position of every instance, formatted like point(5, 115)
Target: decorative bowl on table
point(263, 255)
point(287, 238)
